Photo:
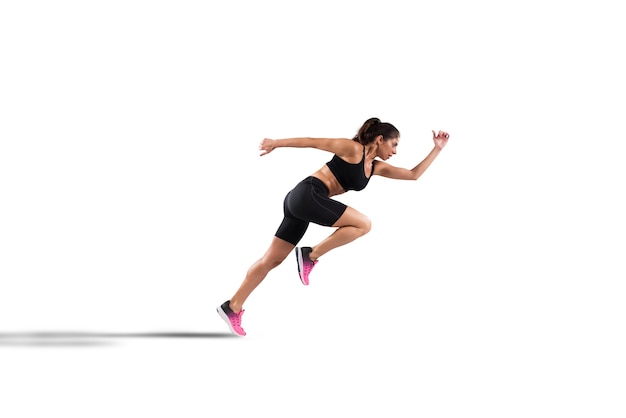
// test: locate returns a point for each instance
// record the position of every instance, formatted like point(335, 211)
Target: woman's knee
point(272, 264)
point(277, 253)
point(366, 225)
point(355, 219)
point(267, 263)
point(363, 224)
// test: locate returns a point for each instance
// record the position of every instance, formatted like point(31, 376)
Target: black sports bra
point(350, 176)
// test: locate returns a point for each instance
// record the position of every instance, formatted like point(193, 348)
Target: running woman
point(354, 162)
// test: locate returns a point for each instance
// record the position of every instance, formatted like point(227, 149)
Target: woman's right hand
point(266, 146)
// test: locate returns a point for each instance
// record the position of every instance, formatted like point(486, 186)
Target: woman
point(353, 164)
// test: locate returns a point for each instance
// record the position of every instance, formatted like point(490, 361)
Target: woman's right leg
point(277, 252)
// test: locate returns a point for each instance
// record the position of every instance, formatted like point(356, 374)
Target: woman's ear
point(379, 139)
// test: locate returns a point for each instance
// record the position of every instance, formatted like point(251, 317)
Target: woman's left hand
point(266, 146)
point(440, 139)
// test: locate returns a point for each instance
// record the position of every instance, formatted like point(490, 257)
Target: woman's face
point(386, 149)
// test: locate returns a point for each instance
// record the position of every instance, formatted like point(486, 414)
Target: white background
point(133, 200)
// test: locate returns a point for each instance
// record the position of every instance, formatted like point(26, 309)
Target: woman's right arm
point(339, 146)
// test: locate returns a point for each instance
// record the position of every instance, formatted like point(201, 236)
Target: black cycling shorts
point(308, 202)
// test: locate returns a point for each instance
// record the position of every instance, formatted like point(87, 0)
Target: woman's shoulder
point(350, 150)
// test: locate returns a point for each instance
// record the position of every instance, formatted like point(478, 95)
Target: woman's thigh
point(352, 217)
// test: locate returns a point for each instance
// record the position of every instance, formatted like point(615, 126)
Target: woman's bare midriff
point(329, 179)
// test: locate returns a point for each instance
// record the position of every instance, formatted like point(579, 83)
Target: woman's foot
point(305, 264)
point(232, 319)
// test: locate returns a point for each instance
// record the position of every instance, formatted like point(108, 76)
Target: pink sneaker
point(232, 319)
point(305, 264)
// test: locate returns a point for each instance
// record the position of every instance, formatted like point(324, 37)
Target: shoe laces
point(236, 318)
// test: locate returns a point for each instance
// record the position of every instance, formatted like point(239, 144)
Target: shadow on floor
point(87, 339)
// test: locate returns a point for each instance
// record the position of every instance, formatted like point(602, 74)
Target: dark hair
point(374, 127)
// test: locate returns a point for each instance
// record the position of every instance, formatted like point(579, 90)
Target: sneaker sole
point(300, 266)
point(223, 315)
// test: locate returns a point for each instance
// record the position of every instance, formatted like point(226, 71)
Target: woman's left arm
point(387, 170)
